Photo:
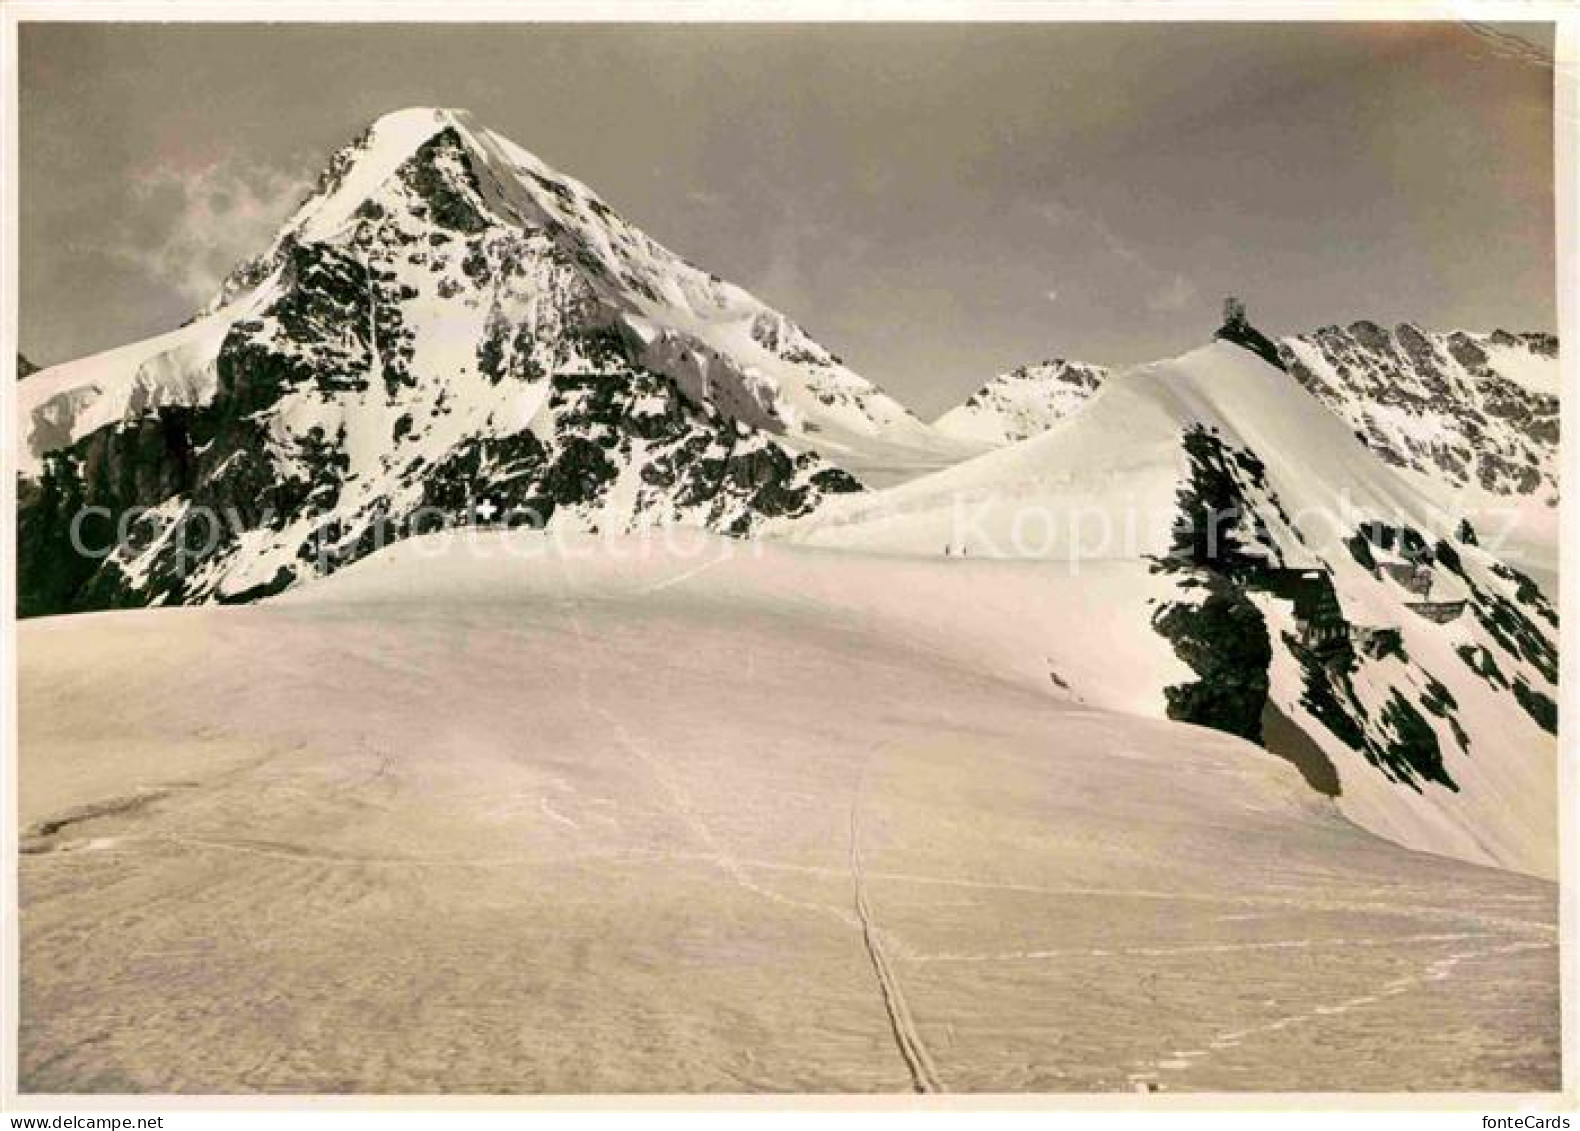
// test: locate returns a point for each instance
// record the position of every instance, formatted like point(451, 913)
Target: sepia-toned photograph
point(793, 558)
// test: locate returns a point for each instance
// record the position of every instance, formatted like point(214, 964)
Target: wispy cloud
point(1176, 294)
point(191, 226)
point(794, 270)
point(1158, 289)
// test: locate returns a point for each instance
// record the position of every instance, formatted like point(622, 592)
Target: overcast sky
point(935, 203)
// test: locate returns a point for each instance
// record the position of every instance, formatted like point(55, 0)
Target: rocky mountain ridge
point(1318, 600)
point(1472, 410)
point(1023, 402)
point(446, 321)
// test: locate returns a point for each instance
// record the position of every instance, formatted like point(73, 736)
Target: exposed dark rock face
point(1218, 527)
point(694, 465)
point(1224, 641)
point(1240, 332)
point(1219, 541)
point(24, 367)
point(1538, 706)
point(1457, 406)
point(1466, 408)
point(1360, 687)
point(1396, 738)
point(437, 350)
point(1522, 627)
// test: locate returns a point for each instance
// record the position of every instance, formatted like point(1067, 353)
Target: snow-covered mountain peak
point(1023, 402)
point(1309, 586)
point(357, 171)
point(508, 181)
point(430, 174)
point(1475, 410)
point(445, 316)
point(1474, 413)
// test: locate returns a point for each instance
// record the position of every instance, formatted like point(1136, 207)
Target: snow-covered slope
point(1308, 574)
point(63, 404)
point(721, 344)
point(1470, 419)
point(1023, 402)
point(1476, 413)
point(445, 320)
point(1130, 436)
point(526, 814)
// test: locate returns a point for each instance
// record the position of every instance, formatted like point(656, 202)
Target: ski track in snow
point(1148, 1074)
point(918, 1060)
point(740, 865)
point(684, 575)
point(924, 1074)
point(715, 852)
point(682, 806)
point(1189, 948)
point(555, 815)
point(687, 821)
